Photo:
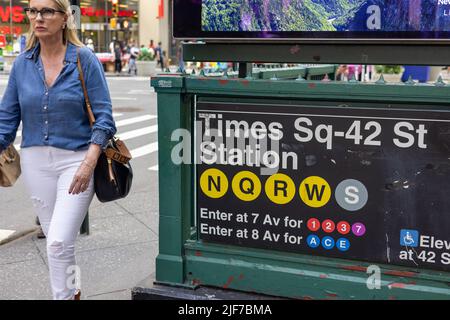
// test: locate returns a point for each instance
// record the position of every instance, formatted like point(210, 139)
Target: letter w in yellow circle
point(214, 183)
point(315, 191)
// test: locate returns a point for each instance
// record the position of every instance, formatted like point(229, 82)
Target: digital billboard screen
point(312, 19)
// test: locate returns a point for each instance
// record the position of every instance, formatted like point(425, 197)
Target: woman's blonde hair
point(69, 32)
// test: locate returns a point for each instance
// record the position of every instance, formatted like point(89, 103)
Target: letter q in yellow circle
point(214, 183)
point(246, 186)
point(280, 189)
point(315, 191)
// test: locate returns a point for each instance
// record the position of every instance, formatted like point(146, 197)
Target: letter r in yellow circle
point(246, 186)
point(315, 191)
point(214, 183)
point(280, 189)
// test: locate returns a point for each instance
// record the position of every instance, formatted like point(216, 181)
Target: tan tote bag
point(9, 166)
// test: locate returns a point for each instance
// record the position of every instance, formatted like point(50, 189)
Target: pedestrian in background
point(117, 59)
point(90, 45)
point(59, 149)
point(342, 73)
point(159, 55)
point(134, 53)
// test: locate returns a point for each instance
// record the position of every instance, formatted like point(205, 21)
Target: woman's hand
point(84, 173)
point(82, 177)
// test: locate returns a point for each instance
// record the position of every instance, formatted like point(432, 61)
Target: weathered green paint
point(185, 261)
point(175, 192)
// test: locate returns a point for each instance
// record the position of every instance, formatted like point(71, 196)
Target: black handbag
point(113, 174)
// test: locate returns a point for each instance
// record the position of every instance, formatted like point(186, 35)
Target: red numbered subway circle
point(313, 224)
point(328, 226)
point(343, 227)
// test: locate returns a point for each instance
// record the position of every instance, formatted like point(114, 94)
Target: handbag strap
point(121, 155)
point(83, 85)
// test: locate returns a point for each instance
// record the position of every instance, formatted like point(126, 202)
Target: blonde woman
point(59, 150)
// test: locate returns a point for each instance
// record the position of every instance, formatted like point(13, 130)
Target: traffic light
point(115, 8)
point(113, 23)
point(125, 24)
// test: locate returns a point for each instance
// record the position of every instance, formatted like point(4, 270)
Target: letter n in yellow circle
point(315, 191)
point(280, 189)
point(214, 183)
point(246, 186)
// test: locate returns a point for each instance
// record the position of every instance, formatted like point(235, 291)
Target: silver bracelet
point(90, 166)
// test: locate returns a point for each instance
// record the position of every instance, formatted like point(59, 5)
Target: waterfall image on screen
point(325, 15)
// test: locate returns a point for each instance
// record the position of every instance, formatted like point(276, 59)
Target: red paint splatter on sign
point(230, 280)
point(401, 273)
point(355, 268)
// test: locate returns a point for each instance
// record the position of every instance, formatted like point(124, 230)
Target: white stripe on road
point(137, 133)
point(118, 123)
point(134, 120)
point(134, 78)
point(149, 91)
point(143, 151)
point(123, 98)
point(128, 134)
point(4, 234)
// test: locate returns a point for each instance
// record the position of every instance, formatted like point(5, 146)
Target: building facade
point(140, 20)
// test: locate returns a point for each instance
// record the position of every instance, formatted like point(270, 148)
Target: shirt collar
point(71, 52)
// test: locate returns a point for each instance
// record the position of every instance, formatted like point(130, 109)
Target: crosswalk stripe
point(137, 133)
point(125, 135)
point(4, 234)
point(123, 98)
point(144, 150)
point(134, 120)
point(118, 123)
point(149, 91)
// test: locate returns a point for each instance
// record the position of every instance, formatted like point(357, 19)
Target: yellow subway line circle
point(315, 191)
point(214, 183)
point(246, 186)
point(280, 188)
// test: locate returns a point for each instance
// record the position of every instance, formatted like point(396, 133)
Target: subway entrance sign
point(363, 182)
point(302, 188)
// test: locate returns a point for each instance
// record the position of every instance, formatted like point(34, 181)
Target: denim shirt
point(56, 116)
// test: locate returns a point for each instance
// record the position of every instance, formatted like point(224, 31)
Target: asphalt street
point(121, 248)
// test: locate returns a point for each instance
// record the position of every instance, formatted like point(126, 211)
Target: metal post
point(245, 69)
point(11, 24)
point(85, 225)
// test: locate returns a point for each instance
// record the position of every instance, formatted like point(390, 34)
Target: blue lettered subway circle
point(352, 184)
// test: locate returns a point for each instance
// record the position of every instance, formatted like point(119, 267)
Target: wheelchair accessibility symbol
point(409, 238)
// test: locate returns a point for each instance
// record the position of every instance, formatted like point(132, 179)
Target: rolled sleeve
point(9, 112)
point(100, 137)
point(99, 96)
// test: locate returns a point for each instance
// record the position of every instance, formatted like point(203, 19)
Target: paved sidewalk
point(118, 254)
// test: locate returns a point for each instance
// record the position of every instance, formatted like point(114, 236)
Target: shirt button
point(46, 122)
point(45, 108)
point(46, 93)
point(46, 137)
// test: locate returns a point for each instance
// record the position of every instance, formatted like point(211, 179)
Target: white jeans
point(48, 174)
